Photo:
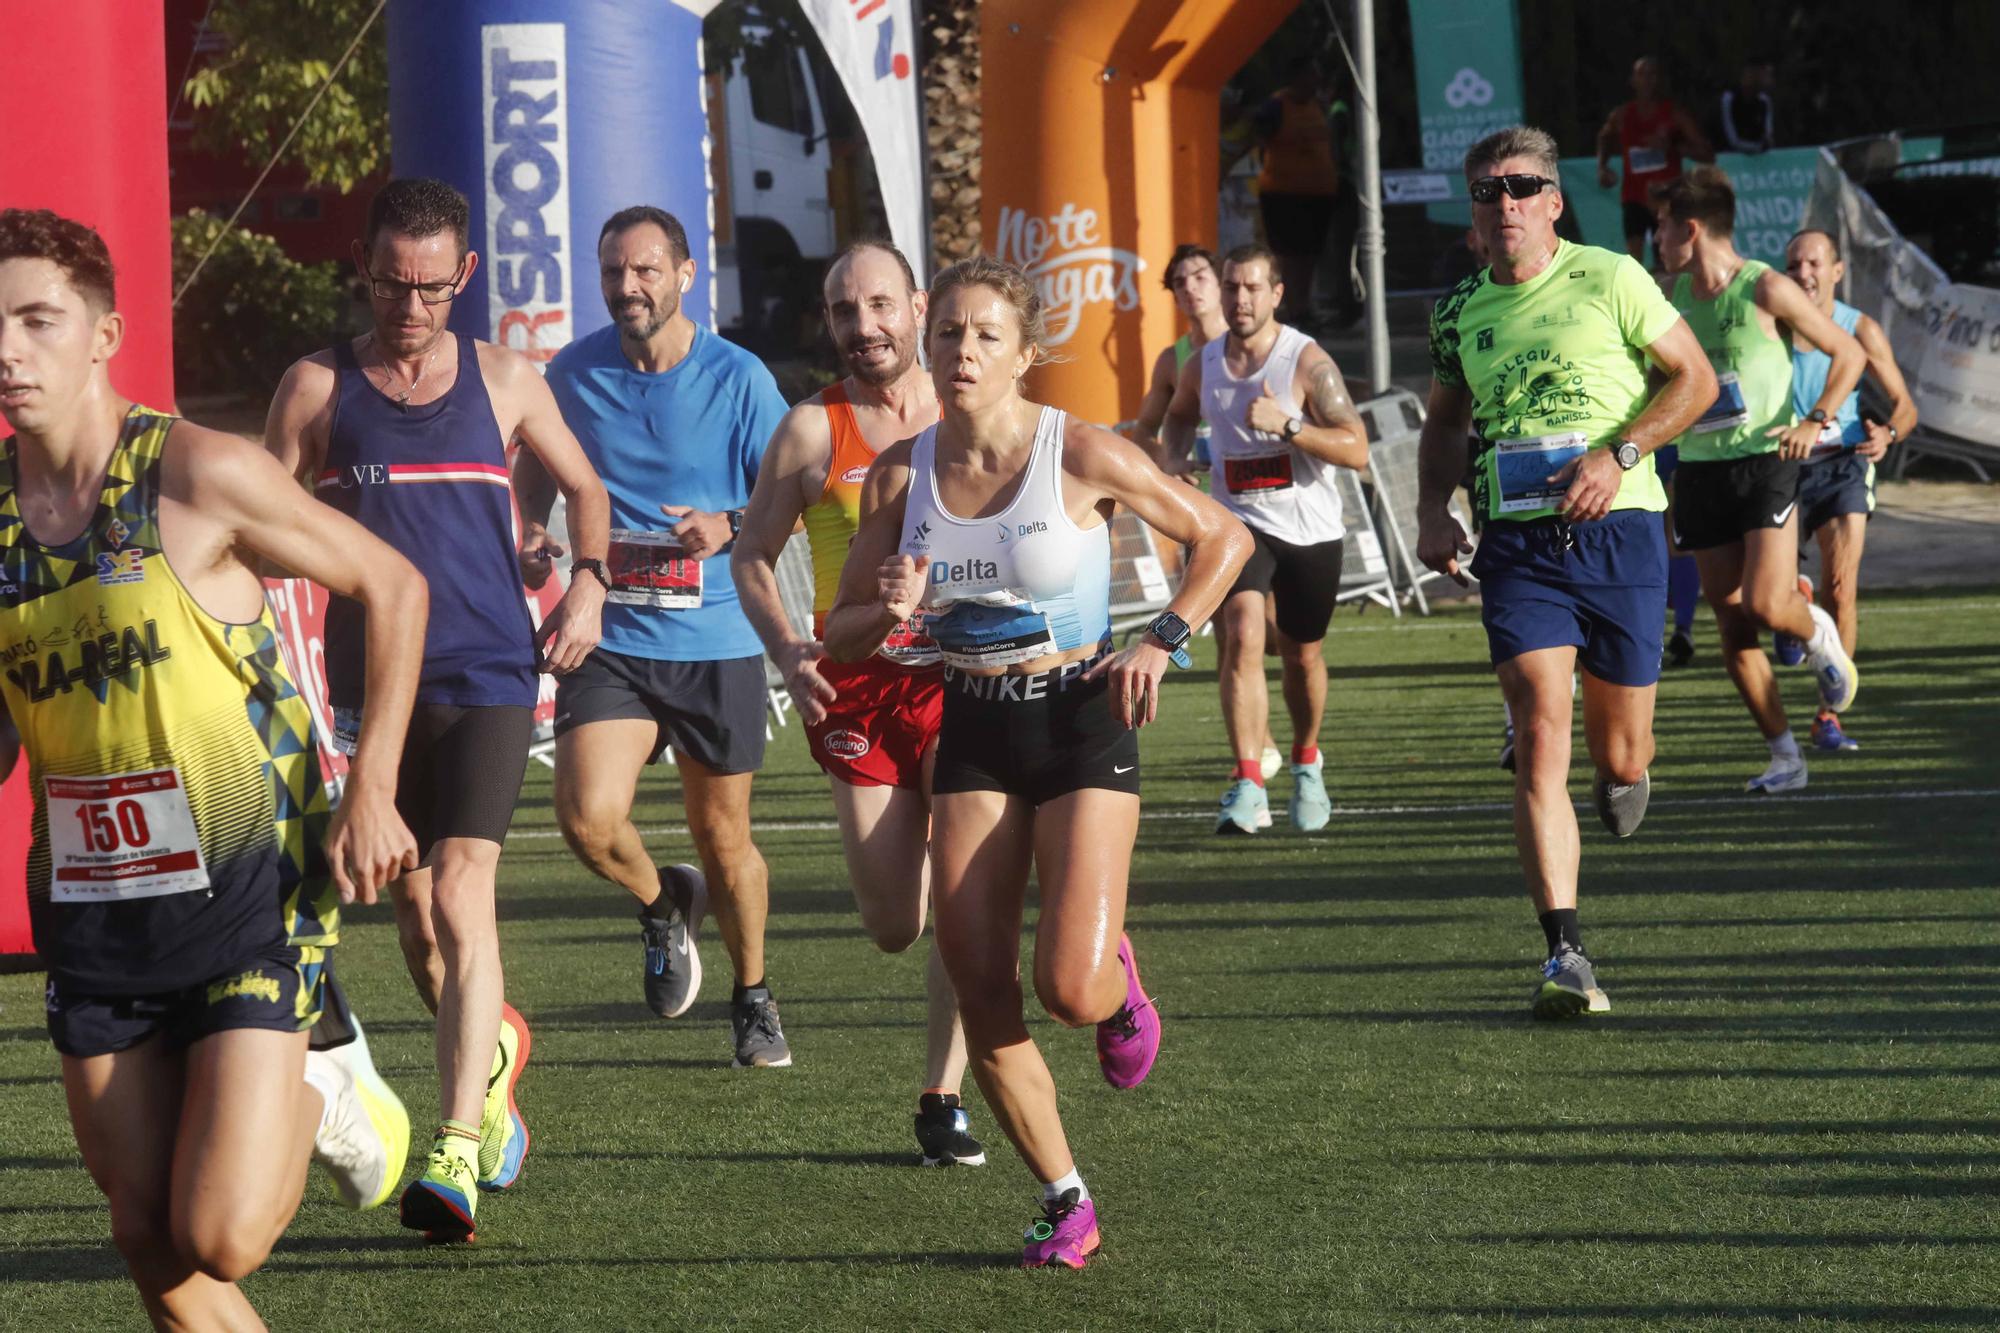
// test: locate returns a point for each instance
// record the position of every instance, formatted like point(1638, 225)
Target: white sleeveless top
point(1275, 487)
point(1013, 586)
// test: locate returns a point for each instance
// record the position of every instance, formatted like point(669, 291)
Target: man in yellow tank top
point(872, 725)
point(1736, 490)
point(184, 878)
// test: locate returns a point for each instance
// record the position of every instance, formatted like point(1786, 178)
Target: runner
point(1276, 474)
point(872, 725)
point(1545, 353)
point(1652, 135)
point(1737, 485)
point(184, 880)
point(668, 412)
point(1837, 480)
point(1038, 757)
point(405, 429)
point(1191, 277)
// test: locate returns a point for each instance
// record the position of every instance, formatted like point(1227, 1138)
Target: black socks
point(1559, 928)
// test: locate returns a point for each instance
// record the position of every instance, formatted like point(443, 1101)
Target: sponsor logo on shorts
point(846, 744)
point(254, 984)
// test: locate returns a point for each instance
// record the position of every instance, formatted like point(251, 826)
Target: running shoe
point(1065, 1233)
point(1569, 987)
point(1787, 648)
point(1310, 806)
point(1270, 762)
point(1680, 650)
point(760, 1041)
point(1832, 668)
point(1786, 773)
point(364, 1135)
point(944, 1132)
point(1129, 1041)
point(1827, 735)
point(441, 1202)
point(503, 1135)
point(1622, 806)
point(1245, 808)
point(1507, 749)
point(673, 963)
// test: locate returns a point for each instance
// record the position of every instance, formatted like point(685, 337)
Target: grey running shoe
point(1622, 807)
point(944, 1133)
point(673, 964)
point(1569, 987)
point(760, 1041)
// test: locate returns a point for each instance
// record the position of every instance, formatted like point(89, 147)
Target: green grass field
point(1788, 1119)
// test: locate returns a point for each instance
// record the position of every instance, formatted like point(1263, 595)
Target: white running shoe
point(1270, 761)
point(364, 1135)
point(1833, 669)
point(1786, 773)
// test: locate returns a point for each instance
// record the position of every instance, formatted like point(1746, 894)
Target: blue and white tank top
point(1844, 429)
point(430, 479)
point(1018, 585)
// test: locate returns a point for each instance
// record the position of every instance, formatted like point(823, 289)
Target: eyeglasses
point(430, 293)
point(1487, 189)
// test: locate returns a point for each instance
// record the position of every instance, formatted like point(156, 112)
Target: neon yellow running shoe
point(440, 1203)
point(503, 1135)
point(364, 1136)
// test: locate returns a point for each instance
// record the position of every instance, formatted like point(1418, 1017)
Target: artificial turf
point(1787, 1120)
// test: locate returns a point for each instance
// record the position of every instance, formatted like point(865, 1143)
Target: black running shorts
point(1037, 737)
point(1716, 503)
point(461, 771)
point(279, 989)
point(1302, 581)
point(711, 712)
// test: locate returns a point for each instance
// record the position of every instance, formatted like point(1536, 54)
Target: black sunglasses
point(1487, 189)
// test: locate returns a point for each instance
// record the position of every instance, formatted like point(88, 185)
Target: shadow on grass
point(63, 1262)
point(1753, 1239)
point(1683, 1314)
point(478, 1256)
point(1760, 1073)
point(1538, 1129)
point(1984, 1186)
point(872, 1160)
point(1985, 1160)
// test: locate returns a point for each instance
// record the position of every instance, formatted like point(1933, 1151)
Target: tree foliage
point(252, 310)
point(278, 54)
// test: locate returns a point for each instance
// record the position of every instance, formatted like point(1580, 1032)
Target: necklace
point(402, 398)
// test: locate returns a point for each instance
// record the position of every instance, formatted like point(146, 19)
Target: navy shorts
point(1599, 587)
point(1843, 484)
point(1665, 459)
point(281, 989)
point(712, 712)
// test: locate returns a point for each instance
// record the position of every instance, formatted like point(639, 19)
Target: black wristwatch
point(735, 517)
point(1817, 416)
point(1173, 634)
point(1627, 454)
point(594, 566)
point(1293, 427)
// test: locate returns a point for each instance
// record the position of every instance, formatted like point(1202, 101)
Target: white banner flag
point(871, 44)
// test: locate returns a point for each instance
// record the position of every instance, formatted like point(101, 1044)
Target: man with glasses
point(406, 429)
point(1544, 354)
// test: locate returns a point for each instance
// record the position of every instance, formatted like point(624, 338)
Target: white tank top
point(1276, 488)
point(1013, 586)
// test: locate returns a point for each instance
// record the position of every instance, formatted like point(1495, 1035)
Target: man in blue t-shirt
point(675, 420)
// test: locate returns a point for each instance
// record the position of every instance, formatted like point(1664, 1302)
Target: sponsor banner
point(1771, 193)
point(1468, 58)
point(1064, 256)
point(526, 120)
point(870, 44)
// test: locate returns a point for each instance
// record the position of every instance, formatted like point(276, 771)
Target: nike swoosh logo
point(1127, 769)
point(1785, 513)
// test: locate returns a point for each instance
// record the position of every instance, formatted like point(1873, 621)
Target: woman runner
point(994, 523)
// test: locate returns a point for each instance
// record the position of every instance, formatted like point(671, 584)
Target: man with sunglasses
point(1544, 354)
point(406, 429)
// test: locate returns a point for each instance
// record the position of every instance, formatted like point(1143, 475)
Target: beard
point(904, 356)
point(652, 318)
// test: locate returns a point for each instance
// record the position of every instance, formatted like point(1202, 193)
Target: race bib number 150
point(130, 835)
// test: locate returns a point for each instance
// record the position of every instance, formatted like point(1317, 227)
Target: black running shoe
point(760, 1040)
point(1680, 649)
point(673, 964)
point(944, 1132)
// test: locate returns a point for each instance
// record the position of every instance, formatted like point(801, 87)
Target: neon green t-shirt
point(1753, 370)
point(1555, 365)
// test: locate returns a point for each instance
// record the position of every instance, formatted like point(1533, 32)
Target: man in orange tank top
point(872, 725)
point(1651, 135)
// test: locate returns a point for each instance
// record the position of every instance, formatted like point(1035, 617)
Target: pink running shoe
point(1065, 1233)
point(1129, 1041)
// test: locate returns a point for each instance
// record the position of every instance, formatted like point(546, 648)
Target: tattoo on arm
point(1326, 395)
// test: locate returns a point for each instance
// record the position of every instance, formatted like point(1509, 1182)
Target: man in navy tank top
point(676, 421)
point(406, 429)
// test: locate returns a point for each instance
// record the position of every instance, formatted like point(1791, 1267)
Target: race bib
point(1648, 159)
point(1728, 411)
point(1254, 477)
point(1832, 439)
point(1522, 468)
point(130, 835)
point(910, 643)
point(975, 635)
point(650, 569)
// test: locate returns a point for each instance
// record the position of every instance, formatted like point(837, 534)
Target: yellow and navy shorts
point(280, 989)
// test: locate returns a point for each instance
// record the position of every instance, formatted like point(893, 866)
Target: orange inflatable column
point(1101, 120)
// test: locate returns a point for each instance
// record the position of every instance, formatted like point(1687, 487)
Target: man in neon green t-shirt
point(1544, 354)
point(1736, 491)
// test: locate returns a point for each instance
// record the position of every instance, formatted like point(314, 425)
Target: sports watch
point(1293, 427)
point(1627, 454)
point(594, 566)
point(1817, 416)
point(735, 517)
point(1172, 632)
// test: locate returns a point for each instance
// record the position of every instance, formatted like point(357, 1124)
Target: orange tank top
point(833, 519)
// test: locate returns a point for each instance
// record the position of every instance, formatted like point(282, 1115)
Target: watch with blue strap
point(1173, 634)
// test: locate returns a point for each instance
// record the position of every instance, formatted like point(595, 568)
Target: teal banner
point(1771, 190)
point(1468, 83)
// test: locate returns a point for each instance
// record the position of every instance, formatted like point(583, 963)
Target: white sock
point(1783, 746)
point(1054, 1189)
point(1508, 709)
point(323, 1077)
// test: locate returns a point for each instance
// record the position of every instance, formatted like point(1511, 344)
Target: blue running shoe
point(1310, 806)
point(1827, 735)
point(1245, 808)
point(1787, 648)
